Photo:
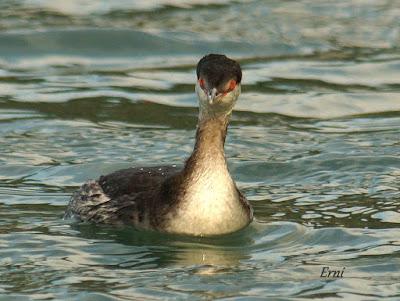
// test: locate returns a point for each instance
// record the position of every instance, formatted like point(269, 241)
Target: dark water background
point(88, 87)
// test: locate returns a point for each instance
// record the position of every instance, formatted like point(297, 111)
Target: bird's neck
point(209, 202)
point(208, 154)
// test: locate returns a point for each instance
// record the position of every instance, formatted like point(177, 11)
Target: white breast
point(211, 205)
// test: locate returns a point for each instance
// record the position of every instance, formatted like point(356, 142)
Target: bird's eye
point(201, 83)
point(232, 85)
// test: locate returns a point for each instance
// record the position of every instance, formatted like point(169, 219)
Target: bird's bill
point(211, 95)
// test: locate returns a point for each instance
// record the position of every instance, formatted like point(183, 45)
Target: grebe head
point(218, 84)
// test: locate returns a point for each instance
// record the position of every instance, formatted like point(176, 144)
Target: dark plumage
point(217, 69)
point(200, 199)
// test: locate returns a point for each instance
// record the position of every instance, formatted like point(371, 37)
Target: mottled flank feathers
point(122, 197)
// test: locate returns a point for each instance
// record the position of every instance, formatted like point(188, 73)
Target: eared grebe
point(202, 198)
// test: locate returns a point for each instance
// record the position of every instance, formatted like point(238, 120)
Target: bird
point(200, 199)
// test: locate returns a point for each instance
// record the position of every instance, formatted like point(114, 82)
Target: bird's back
point(124, 196)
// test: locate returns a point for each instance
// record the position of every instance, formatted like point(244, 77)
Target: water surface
point(87, 88)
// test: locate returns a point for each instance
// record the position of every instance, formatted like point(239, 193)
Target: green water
point(89, 87)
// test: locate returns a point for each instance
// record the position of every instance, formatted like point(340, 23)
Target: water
point(88, 87)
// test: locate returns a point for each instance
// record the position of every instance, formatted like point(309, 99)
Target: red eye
point(201, 82)
point(232, 85)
